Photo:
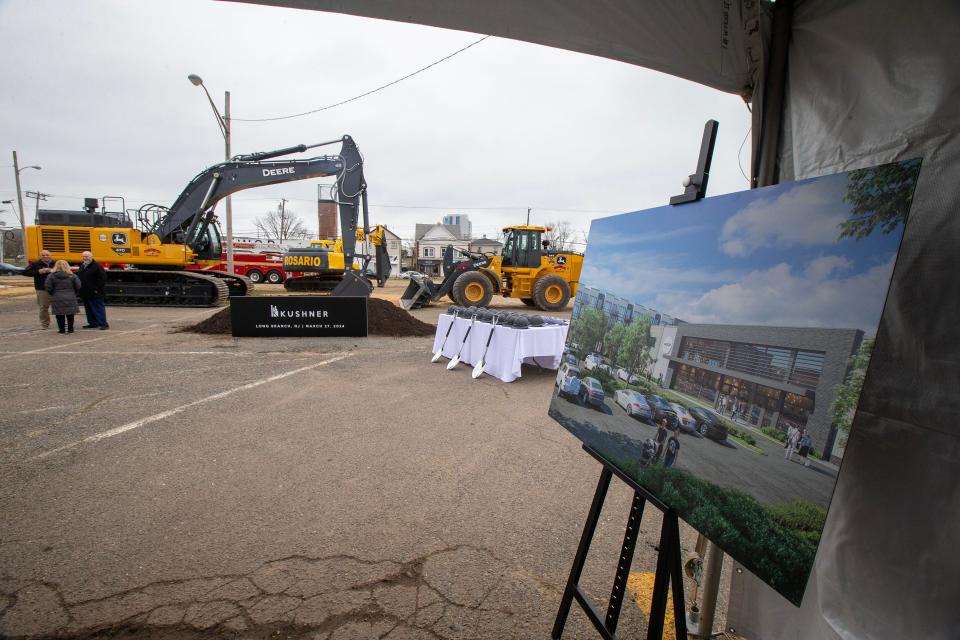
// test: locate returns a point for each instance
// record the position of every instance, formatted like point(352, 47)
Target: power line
point(363, 95)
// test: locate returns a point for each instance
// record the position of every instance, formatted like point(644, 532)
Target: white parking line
point(166, 414)
point(60, 346)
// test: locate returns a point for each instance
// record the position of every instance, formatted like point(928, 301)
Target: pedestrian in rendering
point(793, 439)
point(662, 432)
point(672, 451)
point(805, 443)
point(93, 282)
point(63, 286)
point(40, 269)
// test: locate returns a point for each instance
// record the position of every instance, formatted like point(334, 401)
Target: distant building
point(431, 240)
point(462, 222)
point(486, 245)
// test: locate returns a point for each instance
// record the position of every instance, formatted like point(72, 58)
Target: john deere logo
point(119, 238)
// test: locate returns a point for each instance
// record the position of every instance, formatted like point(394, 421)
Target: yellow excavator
point(320, 266)
point(162, 242)
point(526, 269)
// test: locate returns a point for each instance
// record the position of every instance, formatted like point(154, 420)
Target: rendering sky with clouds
point(768, 256)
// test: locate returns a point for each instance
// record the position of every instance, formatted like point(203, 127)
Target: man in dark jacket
point(93, 282)
point(39, 271)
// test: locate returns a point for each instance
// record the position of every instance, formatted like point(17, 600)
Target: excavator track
point(147, 288)
point(237, 285)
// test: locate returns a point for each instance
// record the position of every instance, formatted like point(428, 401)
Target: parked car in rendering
point(591, 392)
point(566, 370)
point(685, 420)
point(634, 404)
point(603, 366)
point(662, 409)
point(623, 374)
point(709, 424)
point(633, 379)
point(568, 381)
point(592, 361)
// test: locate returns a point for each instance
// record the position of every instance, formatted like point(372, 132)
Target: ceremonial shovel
point(478, 368)
point(439, 352)
point(456, 358)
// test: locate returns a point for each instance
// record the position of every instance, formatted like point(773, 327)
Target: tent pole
point(765, 168)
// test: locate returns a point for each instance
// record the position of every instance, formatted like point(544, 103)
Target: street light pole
point(23, 227)
point(224, 123)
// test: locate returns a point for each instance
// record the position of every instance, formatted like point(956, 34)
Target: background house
point(486, 245)
point(431, 240)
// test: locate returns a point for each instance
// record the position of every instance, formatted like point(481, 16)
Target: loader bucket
point(420, 292)
point(353, 284)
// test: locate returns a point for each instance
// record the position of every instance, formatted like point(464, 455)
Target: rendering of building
point(765, 376)
point(617, 309)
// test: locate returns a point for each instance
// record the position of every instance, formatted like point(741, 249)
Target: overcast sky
point(96, 92)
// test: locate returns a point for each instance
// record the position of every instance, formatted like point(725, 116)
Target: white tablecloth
point(509, 348)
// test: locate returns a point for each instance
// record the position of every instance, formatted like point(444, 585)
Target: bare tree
point(561, 235)
point(282, 225)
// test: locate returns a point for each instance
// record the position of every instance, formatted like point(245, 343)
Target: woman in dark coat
point(63, 285)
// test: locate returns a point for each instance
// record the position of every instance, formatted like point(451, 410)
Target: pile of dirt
point(387, 319)
point(383, 319)
point(218, 323)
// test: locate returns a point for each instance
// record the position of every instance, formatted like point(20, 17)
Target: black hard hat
point(536, 321)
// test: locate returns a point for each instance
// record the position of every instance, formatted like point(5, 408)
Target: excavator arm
point(187, 220)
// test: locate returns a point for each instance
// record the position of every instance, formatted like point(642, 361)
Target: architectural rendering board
point(746, 323)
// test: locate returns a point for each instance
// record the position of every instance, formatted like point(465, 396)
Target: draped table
point(509, 348)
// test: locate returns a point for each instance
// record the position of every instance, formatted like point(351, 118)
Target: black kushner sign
point(290, 316)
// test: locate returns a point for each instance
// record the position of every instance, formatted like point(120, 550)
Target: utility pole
point(226, 142)
point(38, 197)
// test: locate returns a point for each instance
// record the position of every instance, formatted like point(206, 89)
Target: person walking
point(63, 287)
point(661, 437)
point(793, 439)
point(672, 451)
point(805, 443)
point(93, 281)
point(40, 269)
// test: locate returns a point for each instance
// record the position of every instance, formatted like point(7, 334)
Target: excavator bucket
point(420, 292)
point(353, 284)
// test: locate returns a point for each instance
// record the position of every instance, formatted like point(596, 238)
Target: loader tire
point(551, 293)
point(472, 289)
point(528, 301)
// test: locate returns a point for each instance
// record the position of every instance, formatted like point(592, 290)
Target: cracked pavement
point(378, 496)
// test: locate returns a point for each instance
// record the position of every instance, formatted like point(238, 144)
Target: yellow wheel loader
point(527, 269)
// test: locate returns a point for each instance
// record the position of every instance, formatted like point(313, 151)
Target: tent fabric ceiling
point(717, 44)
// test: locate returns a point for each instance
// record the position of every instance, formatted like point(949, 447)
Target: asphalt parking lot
point(165, 484)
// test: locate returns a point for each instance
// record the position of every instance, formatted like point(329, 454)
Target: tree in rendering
point(281, 225)
point(588, 330)
point(635, 349)
point(880, 197)
point(846, 394)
